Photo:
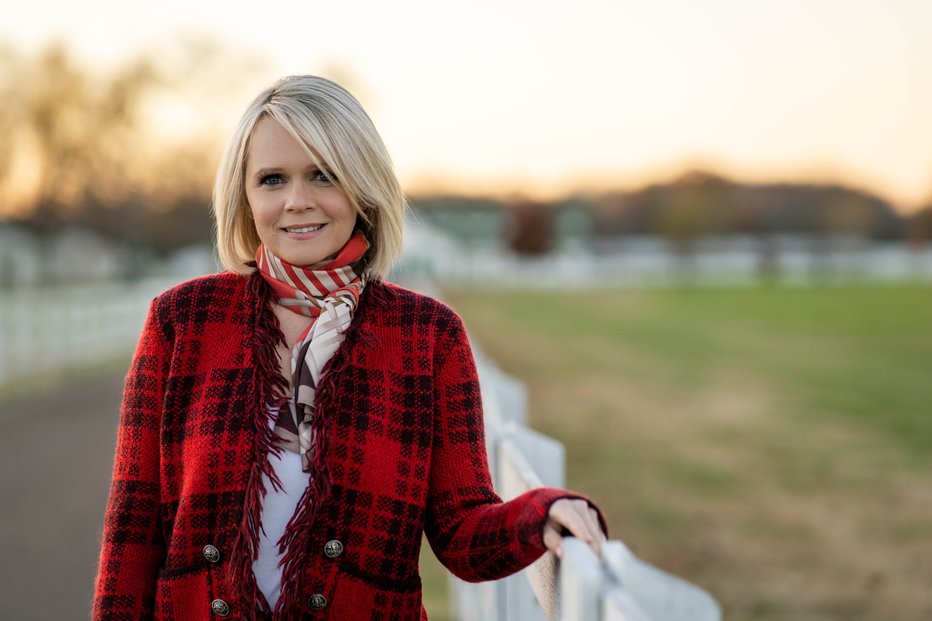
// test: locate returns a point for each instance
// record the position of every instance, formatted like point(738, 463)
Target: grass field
point(773, 445)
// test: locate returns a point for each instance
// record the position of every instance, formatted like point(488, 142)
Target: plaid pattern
point(404, 454)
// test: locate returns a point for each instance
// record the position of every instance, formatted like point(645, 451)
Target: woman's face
point(299, 213)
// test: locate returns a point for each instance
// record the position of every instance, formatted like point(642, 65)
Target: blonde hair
point(341, 139)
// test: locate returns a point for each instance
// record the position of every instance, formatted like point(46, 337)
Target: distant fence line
point(45, 331)
point(654, 261)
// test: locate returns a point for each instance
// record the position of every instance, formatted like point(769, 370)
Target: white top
point(277, 510)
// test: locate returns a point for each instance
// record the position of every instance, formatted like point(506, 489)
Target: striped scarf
point(328, 292)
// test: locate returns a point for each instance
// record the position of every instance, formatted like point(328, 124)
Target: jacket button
point(211, 553)
point(333, 548)
point(220, 607)
point(317, 602)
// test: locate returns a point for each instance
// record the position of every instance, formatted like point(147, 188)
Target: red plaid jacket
point(400, 452)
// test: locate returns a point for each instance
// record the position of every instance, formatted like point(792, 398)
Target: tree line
point(81, 148)
point(701, 204)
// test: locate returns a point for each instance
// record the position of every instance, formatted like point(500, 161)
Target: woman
point(291, 426)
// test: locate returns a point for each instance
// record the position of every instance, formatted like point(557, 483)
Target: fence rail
point(46, 331)
point(579, 587)
point(51, 330)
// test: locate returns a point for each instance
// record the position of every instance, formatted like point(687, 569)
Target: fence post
point(580, 582)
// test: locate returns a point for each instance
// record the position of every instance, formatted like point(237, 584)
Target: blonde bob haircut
point(340, 138)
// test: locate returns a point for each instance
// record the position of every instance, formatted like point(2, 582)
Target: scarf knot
point(328, 293)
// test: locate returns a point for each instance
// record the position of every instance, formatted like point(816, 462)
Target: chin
point(306, 259)
point(299, 256)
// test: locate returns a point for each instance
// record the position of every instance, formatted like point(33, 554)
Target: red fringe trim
point(270, 387)
point(298, 532)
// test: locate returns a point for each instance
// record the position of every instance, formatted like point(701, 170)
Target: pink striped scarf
point(328, 292)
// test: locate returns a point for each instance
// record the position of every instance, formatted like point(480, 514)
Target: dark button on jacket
point(317, 602)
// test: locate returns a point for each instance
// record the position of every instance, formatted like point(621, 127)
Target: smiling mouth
point(304, 229)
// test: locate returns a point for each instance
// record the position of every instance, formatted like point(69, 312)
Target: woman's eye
point(322, 176)
point(273, 179)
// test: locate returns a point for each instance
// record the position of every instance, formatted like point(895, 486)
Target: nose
point(300, 197)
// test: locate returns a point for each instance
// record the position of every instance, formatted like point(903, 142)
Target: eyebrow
point(266, 171)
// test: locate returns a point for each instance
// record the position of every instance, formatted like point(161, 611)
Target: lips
point(304, 228)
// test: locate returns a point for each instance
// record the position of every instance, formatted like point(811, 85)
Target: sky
point(540, 98)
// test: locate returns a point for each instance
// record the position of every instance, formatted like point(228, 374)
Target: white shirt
point(277, 510)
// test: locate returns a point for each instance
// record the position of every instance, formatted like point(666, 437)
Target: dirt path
point(56, 454)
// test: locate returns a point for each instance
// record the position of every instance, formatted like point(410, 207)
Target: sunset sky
point(543, 97)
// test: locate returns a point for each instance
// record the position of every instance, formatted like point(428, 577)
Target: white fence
point(53, 330)
point(50, 330)
point(579, 587)
point(651, 261)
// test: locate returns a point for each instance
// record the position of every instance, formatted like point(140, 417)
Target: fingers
point(594, 519)
point(552, 539)
point(577, 517)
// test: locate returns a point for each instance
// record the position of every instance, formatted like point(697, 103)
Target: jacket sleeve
point(471, 531)
point(132, 548)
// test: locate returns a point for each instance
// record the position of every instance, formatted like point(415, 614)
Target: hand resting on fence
point(573, 517)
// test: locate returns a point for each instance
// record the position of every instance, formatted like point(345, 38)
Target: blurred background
point(701, 233)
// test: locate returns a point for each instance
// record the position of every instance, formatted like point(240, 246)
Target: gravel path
point(56, 455)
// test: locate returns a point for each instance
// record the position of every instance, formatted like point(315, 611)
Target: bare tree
point(80, 147)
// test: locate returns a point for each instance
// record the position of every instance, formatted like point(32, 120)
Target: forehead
point(271, 144)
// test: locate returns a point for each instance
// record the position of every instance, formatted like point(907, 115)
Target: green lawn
point(772, 444)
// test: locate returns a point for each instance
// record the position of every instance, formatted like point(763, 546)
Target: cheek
point(261, 223)
point(349, 215)
point(257, 209)
point(250, 202)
